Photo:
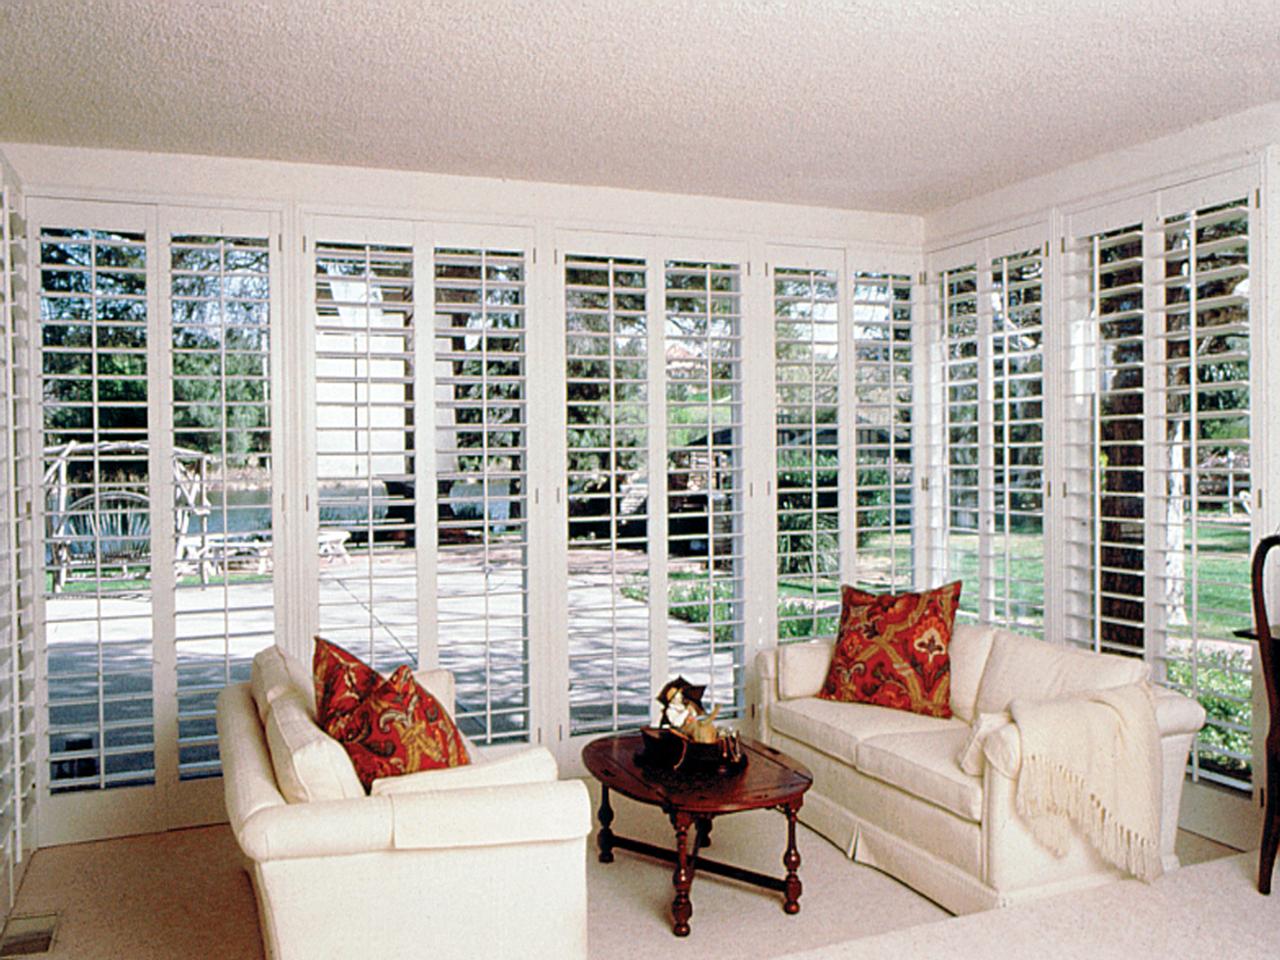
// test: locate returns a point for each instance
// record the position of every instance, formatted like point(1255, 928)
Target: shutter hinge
point(1062, 241)
point(539, 734)
point(924, 277)
point(535, 254)
point(1257, 197)
point(561, 729)
point(304, 244)
point(555, 256)
point(748, 268)
point(1048, 488)
point(1259, 499)
point(924, 483)
point(766, 268)
point(280, 242)
point(1046, 248)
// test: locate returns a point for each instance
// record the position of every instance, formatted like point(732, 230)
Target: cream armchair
point(488, 861)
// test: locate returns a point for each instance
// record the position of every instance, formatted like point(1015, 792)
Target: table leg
point(704, 833)
point(682, 879)
point(1271, 816)
point(791, 860)
point(604, 839)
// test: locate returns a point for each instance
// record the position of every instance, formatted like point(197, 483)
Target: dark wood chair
point(1269, 645)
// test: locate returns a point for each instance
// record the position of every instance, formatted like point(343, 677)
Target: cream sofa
point(487, 860)
point(888, 788)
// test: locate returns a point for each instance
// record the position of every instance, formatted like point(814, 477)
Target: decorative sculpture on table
point(686, 736)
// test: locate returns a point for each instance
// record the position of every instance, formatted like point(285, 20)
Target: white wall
point(108, 174)
point(1182, 156)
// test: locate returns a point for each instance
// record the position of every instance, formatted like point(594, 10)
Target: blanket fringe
point(1051, 798)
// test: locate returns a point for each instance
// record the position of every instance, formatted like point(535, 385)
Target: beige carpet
point(183, 894)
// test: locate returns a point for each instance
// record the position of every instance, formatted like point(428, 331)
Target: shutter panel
point(1204, 523)
point(94, 315)
point(1106, 542)
point(963, 418)
point(482, 487)
point(221, 372)
point(704, 477)
point(366, 442)
point(607, 438)
point(884, 399)
point(1017, 368)
point(807, 422)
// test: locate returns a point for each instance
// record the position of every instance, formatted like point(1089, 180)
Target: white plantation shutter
point(367, 436)
point(884, 399)
point(965, 455)
point(607, 476)
point(703, 342)
point(482, 497)
point(222, 435)
point(1201, 267)
point(1161, 454)
point(1106, 447)
point(1017, 568)
point(807, 422)
point(18, 748)
point(98, 484)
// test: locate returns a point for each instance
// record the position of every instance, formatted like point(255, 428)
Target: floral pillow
point(892, 650)
point(398, 728)
point(342, 680)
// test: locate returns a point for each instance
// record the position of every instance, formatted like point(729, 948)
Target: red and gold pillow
point(892, 650)
point(398, 728)
point(342, 680)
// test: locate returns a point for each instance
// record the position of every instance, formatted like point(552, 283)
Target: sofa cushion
point(527, 765)
point(924, 765)
point(342, 680)
point(836, 728)
point(892, 650)
point(308, 764)
point(398, 728)
point(1022, 668)
point(802, 668)
point(268, 678)
point(970, 647)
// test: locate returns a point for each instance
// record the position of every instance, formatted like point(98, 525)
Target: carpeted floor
point(184, 894)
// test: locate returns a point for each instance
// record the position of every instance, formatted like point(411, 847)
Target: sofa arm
point(474, 817)
point(1175, 713)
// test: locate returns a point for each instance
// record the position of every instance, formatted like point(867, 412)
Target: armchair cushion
point(308, 765)
point(528, 765)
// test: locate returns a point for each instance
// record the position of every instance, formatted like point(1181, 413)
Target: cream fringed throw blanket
point(1092, 760)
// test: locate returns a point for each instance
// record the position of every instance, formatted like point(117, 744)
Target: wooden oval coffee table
point(771, 780)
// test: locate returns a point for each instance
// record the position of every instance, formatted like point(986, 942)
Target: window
point(807, 412)
point(963, 439)
point(607, 438)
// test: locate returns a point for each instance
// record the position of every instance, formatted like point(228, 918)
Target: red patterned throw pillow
point(892, 650)
point(342, 680)
point(398, 728)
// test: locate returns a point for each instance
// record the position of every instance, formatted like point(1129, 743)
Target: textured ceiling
point(899, 105)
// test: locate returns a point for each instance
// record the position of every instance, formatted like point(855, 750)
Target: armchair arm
point(474, 817)
point(1176, 714)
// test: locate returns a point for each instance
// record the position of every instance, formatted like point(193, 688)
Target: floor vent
point(28, 936)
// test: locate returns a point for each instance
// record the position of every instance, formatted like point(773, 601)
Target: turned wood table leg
point(791, 860)
point(681, 879)
point(604, 839)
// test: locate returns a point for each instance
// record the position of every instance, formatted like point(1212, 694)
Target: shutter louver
point(807, 388)
point(482, 488)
